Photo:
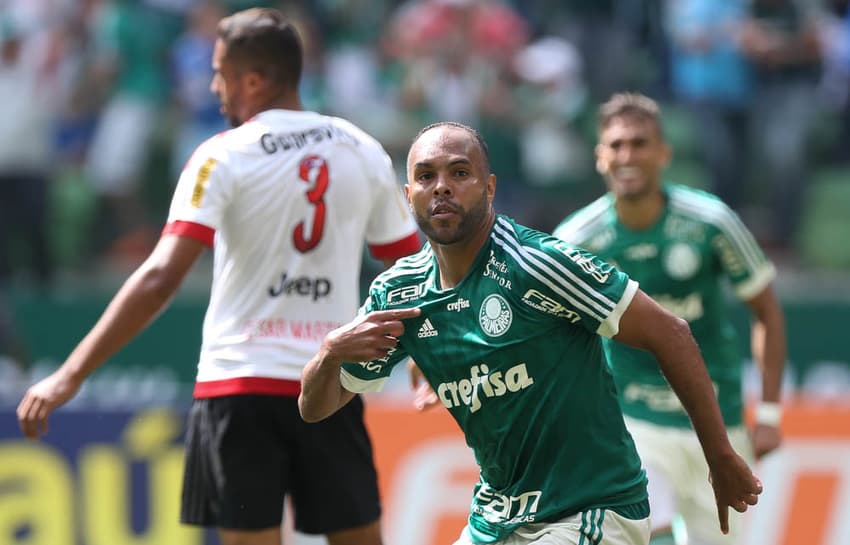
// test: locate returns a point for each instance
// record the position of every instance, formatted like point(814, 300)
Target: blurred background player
point(681, 245)
point(286, 201)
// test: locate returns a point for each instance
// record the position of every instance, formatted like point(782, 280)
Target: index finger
point(27, 418)
point(396, 314)
point(723, 514)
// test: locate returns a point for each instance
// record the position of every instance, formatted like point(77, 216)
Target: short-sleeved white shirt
point(286, 200)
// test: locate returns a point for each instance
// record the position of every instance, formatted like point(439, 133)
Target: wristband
point(769, 413)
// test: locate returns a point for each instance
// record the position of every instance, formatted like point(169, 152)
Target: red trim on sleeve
point(247, 385)
point(397, 249)
point(199, 232)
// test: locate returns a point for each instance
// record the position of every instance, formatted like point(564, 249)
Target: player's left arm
point(142, 297)
point(648, 326)
point(768, 346)
point(752, 276)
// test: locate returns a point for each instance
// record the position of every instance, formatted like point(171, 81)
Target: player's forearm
point(768, 345)
point(135, 305)
point(322, 393)
point(681, 362)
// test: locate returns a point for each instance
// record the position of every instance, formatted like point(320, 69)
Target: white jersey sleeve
point(203, 191)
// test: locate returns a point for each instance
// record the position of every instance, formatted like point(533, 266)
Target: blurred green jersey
point(682, 261)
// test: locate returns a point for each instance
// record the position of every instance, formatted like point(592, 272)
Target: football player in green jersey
point(505, 323)
point(681, 245)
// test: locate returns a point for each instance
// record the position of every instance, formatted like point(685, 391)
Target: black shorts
point(244, 453)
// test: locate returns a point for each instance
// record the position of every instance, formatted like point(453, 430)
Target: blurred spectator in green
point(781, 39)
point(133, 41)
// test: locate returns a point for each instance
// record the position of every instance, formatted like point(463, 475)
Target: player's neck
point(641, 213)
point(283, 102)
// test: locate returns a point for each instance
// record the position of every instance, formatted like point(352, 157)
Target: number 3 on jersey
point(314, 171)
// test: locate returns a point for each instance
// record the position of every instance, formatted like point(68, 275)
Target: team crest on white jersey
point(495, 316)
point(427, 330)
point(681, 261)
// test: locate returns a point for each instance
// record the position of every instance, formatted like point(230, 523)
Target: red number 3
point(314, 171)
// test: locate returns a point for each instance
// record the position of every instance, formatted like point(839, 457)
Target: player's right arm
point(145, 293)
point(648, 326)
point(367, 338)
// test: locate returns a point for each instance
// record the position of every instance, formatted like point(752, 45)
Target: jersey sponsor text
point(315, 288)
point(405, 294)
point(427, 330)
point(467, 391)
point(537, 300)
point(495, 269)
point(496, 507)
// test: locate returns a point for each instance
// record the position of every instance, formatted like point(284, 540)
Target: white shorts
point(594, 526)
point(678, 480)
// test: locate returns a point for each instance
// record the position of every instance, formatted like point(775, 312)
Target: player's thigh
point(335, 484)
point(237, 462)
point(664, 457)
point(700, 509)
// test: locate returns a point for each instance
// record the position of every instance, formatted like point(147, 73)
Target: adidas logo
point(427, 330)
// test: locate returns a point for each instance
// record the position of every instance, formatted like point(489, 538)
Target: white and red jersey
point(286, 200)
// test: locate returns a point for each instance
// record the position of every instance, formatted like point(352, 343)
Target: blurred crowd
point(102, 101)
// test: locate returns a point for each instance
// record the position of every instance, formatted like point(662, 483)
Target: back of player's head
point(479, 140)
point(265, 41)
point(633, 105)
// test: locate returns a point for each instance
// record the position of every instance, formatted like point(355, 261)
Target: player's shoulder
point(409, 273)
point(588, 220)
point(699, 205)
point(526, 246)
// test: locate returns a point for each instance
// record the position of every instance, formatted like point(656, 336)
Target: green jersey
point(681, 261)
point(514, 352)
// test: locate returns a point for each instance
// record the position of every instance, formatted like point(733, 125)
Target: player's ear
point(601, 165)
point(491, 187)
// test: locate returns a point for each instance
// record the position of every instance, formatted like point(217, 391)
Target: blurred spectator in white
point(29, 61)
point(191, 65)
point(607, 35)
point(551, 95)
point(781, 38)
point(711, 76)
point(133, 40)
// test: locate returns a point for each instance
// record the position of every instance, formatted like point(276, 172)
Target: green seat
point(824, 236)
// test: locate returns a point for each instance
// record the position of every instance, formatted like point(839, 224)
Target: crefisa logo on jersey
point(495, 316)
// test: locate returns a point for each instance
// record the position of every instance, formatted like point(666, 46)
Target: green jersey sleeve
point(569, 282)
point(743, 261)
point(370, 376)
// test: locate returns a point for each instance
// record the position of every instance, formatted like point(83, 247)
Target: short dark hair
point(630, 104)
point(485, 152)
point(263, 40)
